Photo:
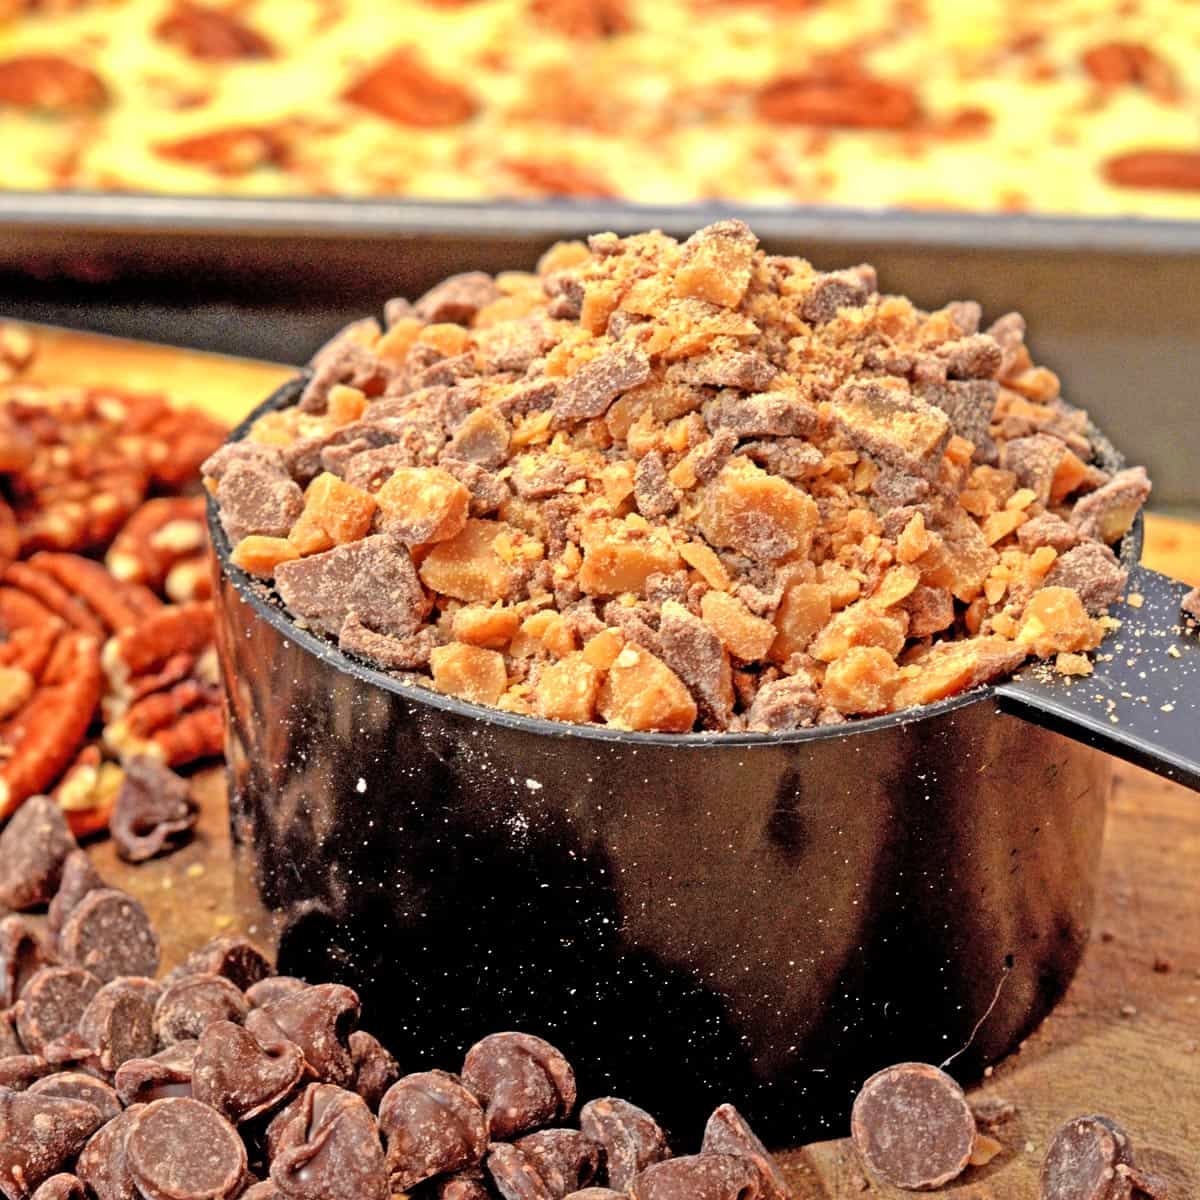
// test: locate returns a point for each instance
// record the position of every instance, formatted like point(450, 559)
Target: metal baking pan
point(1110, 302)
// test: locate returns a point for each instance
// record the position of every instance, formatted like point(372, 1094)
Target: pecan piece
point(158, 539)
point(584, 19)
point(49, 81)
point(236, 150)
point(850, 100)
point(1175, 170)
point(211, 34)
point(1120, 64)
point(403, 89)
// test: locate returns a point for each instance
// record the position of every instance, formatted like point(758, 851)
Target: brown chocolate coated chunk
point(594, 386)
point(217, 463)
point(743, 369)
point(61, 1187)
point(273, 987)
point(1126, 489)
point(695, 654)
point(191, 1004)
point(237, 958)
point(256, 499)
point(1083, 1162)
point(19, 1072)
point(181, 1149)
point(163, 1076)
point(39, 1135)
point(630, 1137)
point(1093, 571)
point(652, 490)
point(913, 1127)
point(565, 1159)
point(515, 1176)
point(319, 1020)
point(265, 1190)
point(330, 1150)
point(22, 955)
point(837, 289)
point(375, 1070)
point(374, 578)
point(783, 704)
point(78, 878)
point(597, 1193)
point(154, 810)
point(522, 1082)
point(698, 1177)
point(109, 934)
point(457, 299)
point(239, 1077)
point(118, 1024)
point(727, 1132)
point(464, 1185)
point(74, 1085)
point(103, 1165)
point(33, 847)
point(1035, 461)
point(768, 414)
point(409, 653)
point(1190, 604)
point(52, 1003)
point(1047, 529)
point(432, 1125)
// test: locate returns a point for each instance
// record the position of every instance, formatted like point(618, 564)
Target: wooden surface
point(1125, 1041)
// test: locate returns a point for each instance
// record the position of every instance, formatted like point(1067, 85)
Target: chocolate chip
point(432, 1125)
point(109, 934)
point(465, 1185)
point(10, 1043)
point(78, 878)
point(652, 490)
point(698, 1177)
point(595, 385)
point(319, 1020)
point(178, 1149)
point(330, 1150)
point(154, 810)
point(52, 1003)
point(374, 578)
point(61, 1187)
point(118, 1024)
point(375, 1070)
point(33, 848)
point(630, 1136)
point(837, 289)
point(913, 1126)
point(237, 958)
point(515, 1176)
point(565, 1159)
point(163, 1076)
point(727, 1132)
point(273, 987)
point(239, 1076)
point(39, 1135)
point(75, 1085)
point(191, 1004)
point(521, 1080)
point(256, 499)
point(18, 1072)
point(103, 1165)
point(22, 955)
point(1084, 1161)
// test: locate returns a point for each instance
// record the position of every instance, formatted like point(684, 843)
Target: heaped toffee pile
point(675, 487)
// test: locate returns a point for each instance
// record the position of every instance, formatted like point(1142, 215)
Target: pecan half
point(844, 99)
point(164, 545)
point(584, 19)
point(211, 34)
point(49, 81)
point(45, 734)
point(1175, 170)
point(403, 89)
point(560, 178)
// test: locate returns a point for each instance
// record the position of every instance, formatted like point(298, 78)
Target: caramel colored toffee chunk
point(683, 487)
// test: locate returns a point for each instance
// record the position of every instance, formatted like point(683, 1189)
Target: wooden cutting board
point(1126, 1040)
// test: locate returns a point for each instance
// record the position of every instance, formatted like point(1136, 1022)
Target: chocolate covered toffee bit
point(677, 487)
point(225, 1081)
point(1091, 1158)
point(913, 1127)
